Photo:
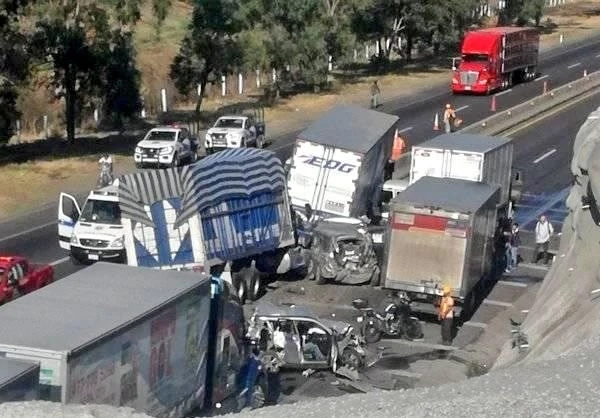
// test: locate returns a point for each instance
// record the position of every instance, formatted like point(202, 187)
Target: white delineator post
point(330, 63)
point(240, 83)
point(274, 75)
point(561, 38)
point(95, 115)
point(199, 90)
point(223, 85)
point(46, 126)
point(257, 78)
point(163, 99)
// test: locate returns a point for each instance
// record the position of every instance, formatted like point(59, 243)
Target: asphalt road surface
point(34, 235)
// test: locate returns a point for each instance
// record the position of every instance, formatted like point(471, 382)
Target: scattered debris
point(307, 372)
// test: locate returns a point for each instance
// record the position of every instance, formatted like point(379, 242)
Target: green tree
point(210, 47)
point(14, 64)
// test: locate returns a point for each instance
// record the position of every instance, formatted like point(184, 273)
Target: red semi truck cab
point(496, 58)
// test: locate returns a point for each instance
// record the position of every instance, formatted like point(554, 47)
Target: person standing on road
point(515, 242)
point(543, 232)
point(375, 93)
point(507, 237)
point(449, 118)
point(446, 315)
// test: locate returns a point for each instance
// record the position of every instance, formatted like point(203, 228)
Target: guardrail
point(506, 119)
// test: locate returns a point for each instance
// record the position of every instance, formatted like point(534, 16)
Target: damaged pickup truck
point(301, 340)
point(342, 251)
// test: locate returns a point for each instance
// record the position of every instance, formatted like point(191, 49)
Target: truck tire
point(375, 277)
point(175, 161)
point(240, 287)
point(253, 282)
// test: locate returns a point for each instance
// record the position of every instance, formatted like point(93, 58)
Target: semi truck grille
point(94, 243)
point(468, 78)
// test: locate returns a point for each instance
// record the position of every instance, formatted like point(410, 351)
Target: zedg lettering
point(328, 164)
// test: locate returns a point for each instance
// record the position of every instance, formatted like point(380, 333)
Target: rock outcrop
point(565, 313)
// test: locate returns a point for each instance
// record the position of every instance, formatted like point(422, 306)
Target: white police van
point(92, 232)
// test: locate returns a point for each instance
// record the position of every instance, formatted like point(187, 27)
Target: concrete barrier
point(506, 119)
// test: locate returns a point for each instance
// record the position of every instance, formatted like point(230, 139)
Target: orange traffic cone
point(436, 122)
point(493, 105)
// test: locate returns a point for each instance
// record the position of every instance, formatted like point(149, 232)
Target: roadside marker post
point(493, 105)
point(436, 123)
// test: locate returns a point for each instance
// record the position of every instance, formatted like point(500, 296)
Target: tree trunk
point(70, 103)
point(409, 47)
point(203, 83)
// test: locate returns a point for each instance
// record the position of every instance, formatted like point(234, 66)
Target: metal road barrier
point(516, 115)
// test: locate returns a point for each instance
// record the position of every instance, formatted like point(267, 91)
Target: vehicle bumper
point(142, 160)
point(217, 148)
point(90, 255)
point(475, 88)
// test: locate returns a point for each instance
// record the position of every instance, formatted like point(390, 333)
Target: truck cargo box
point(228, 206)
point(338, 162)
point(19, 380)
point(117, 335)
point(472, 157)
point(440, 232)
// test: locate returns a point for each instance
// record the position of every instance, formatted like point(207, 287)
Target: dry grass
point(31, 184)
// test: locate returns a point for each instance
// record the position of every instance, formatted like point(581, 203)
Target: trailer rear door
point(426, 162)
point(426, 251)
point(465, 165)
point(324, 177)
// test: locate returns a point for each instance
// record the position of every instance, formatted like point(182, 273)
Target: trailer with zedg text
point(162, 342)
point(337, 165)
point(441, 232)
point(229, 210)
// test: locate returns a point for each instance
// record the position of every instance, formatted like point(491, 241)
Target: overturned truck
point(227, 215)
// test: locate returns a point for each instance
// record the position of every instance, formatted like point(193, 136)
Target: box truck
point(229, 210)
point(162, 342)
point(19, 380)
point(495, 58)
point(337, 166)
point(440, 232)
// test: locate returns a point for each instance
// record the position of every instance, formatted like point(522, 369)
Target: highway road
point(34, 234)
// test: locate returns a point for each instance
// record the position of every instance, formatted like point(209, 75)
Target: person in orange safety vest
point(398, 147)
point(446, 315)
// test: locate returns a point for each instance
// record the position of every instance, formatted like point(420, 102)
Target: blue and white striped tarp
point(229, 174)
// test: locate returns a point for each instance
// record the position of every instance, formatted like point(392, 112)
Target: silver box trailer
point(338, 162)
point(19, 380)
point(480, 158)
point(440, 232)
point(117, 335)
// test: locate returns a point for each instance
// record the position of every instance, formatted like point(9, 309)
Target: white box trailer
point(117, 335)
point(19, 380)
point(479, 158)
point(338, 162)
point(440, 232)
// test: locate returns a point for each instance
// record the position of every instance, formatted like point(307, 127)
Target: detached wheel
point(352, 359)
point(414, 330)
point(372, 334)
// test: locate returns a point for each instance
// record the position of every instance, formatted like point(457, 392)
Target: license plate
point(93, 256)
point(378, 238)
point(467, 87)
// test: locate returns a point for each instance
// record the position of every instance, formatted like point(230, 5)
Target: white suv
point(166, 146)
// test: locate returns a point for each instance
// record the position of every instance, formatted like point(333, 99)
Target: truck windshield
point(230, 123)
point(475, 57)
point(101, 211)
point(160, 136)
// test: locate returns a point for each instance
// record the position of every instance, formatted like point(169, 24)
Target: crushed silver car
point(302, 340)
point(342, 251)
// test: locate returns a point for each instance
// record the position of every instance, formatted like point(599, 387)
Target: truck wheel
point(318, 277)
point(253, 283)
point(175, 161)
point(240, 287)
point(375, 277)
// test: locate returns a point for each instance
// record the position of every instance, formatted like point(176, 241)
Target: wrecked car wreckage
point(298, 339)
point(342, 251)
